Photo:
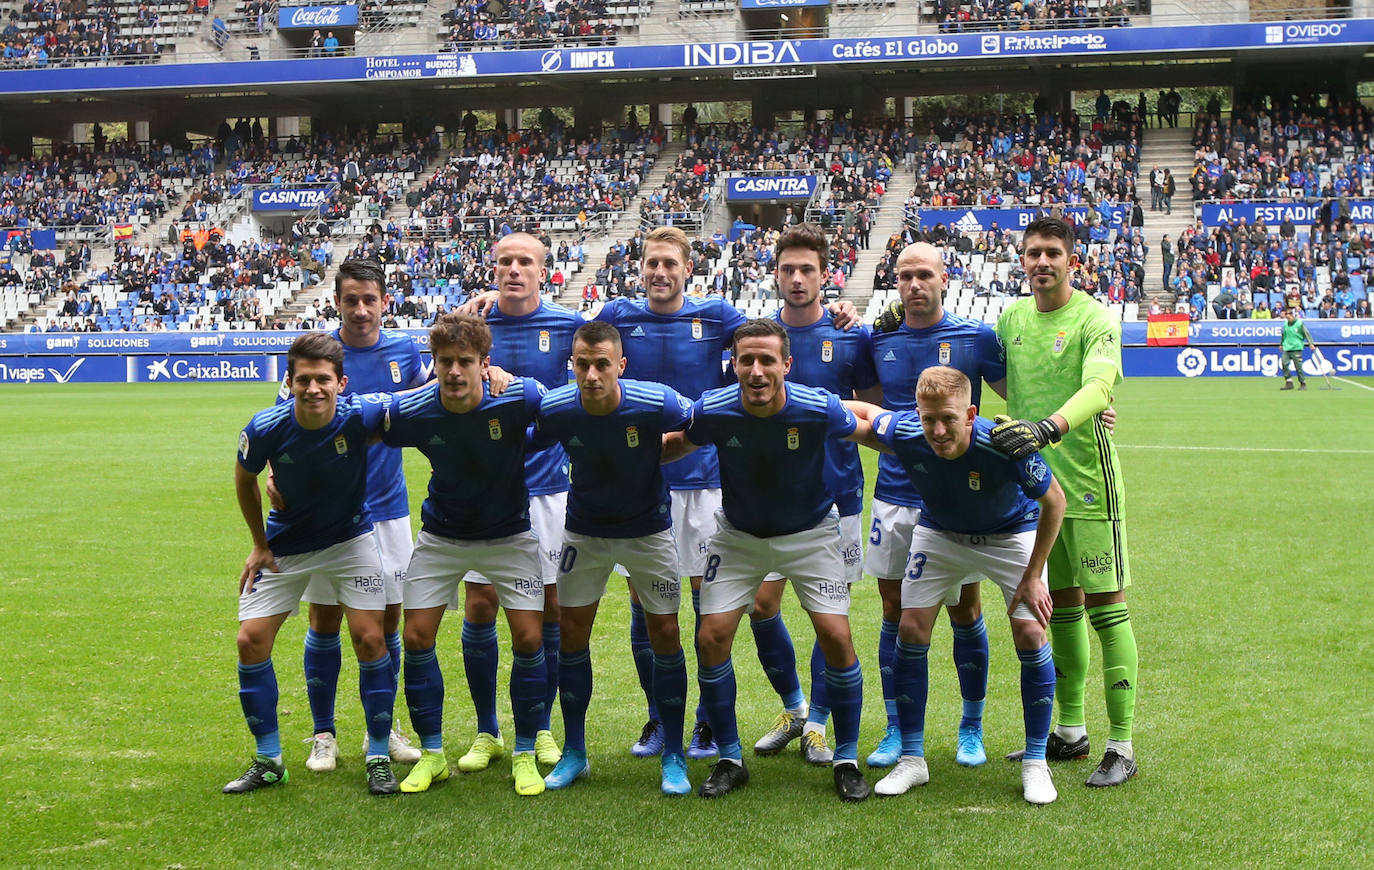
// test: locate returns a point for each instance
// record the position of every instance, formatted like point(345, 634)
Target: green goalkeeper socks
point(1112, 622)
point(1069, 637)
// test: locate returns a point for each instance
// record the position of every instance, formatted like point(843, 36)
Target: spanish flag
point(1166, 330)
point(123, 231)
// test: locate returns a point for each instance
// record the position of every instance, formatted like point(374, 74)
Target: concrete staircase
point(886, 221)
point(1172, 149)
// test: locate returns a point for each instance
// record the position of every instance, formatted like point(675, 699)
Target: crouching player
point(619, 512)
point(979, 520)
point(317, 444)
point(475, 518)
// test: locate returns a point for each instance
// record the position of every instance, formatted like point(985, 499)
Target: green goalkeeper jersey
point(1068, 362)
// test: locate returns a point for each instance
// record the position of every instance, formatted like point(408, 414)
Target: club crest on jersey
point(827, 351)
point(544, 343)
point(696, 328)
point(395, 372)
point(944, 353)
point(975, 481)
point(632, 436)
point(341, 445)
point(793, 438)
point(1059, 342)
point(494, 429)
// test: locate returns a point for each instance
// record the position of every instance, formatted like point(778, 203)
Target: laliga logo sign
point(1191, 363)
point(316, 16)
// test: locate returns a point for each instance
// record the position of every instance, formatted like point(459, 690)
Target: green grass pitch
point(1249, 520)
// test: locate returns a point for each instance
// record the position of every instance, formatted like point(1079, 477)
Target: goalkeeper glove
point(891, 319)
point(1020, 438)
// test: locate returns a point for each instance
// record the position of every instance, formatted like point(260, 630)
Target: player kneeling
point(979, 519)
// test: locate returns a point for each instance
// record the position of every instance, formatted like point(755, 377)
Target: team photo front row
point(737, 487)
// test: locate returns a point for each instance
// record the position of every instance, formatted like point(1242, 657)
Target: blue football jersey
point(477, 483)
point(970, 346)
point(320, 473)
point(982, 492)
point(772, 468)
point(684, 351)
point(825, 356)
point(618, 490)
point(390, 365)
point(537, 345)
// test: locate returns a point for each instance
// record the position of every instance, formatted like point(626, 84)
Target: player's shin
point(971, 662)
point(1037, 698)
point(887, 650)
point(670, 696)
point(528, 687)
point(717, 686)
point(575, 680)
point(551, 636)
point(846, 688)
point(820, 692)
point(1069, 637)
point(911, 675)
point(425, 697)
point(1120, 665)
point(779, 660)
point(643, 655)
point(322, 660)
point(258, 697)
point(377, 691)
point(480, 657)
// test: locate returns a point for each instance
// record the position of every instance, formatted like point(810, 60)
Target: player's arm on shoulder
point(843, 314)
point(249, 497)
point(865, 429)
point(497, 380)
point(480, 304)
point(675, 446)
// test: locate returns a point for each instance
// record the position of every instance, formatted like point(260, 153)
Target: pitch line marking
point(1242, 449)
point(1355, 383)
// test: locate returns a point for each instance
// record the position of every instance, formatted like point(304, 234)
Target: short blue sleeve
point(253, 451)
point(1035, 476)
point(677, 410)
point(839, 419)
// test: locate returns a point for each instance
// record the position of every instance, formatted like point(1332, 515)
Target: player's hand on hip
point(1032, 592)
point(1020, 438)
point(497, 380)
point(844, 314)
point(274, 494)
point(1109, 419)
point(258, 560)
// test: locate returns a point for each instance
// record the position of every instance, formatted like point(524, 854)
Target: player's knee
point(253, 646)
point(664, 637)
point(417, 636)
point(368, 644)
point(391, 621)
point(1027, 634)
point(478, 607)
point(552, 612)
point(326, 618)
point(766, 604)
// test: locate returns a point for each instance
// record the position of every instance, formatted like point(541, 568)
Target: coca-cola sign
point(312, 17)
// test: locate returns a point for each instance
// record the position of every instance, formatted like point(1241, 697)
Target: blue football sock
point(820, 692)
point(322, 662)
point(778, 658)
point(575, 694)
point(846, 687)
point(1037, 697)
point(258, 697)
point(552, 637)
point(887, 651)
point(393, 646)
point(480, 657)
point(425, 697)
point(913, 684)
point(696, 632)
point(670, 695)
point(971, 661)
point(529, 685)
point(718, 697)
point(643, 654)
point(377, 689)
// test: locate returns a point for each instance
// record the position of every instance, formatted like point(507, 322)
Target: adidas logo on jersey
point(637, 331)
point(574, 441)
point(733, 442)
point(889, 357)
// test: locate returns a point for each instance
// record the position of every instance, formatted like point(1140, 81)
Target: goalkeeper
point(1063, 361)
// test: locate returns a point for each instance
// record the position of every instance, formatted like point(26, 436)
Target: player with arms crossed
point(1063, 361)
point(777, 516)
point(476, 519)
point(619, 513)
point(979, 518)
point(318, 444)
point(375, 360)
point(840, 361)
point(532, 339)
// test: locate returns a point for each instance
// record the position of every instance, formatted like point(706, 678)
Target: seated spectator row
point(45, 33)
point(967, 16)
point(480, 25)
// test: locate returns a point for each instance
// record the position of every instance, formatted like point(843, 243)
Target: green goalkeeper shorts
point(1090, 554)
